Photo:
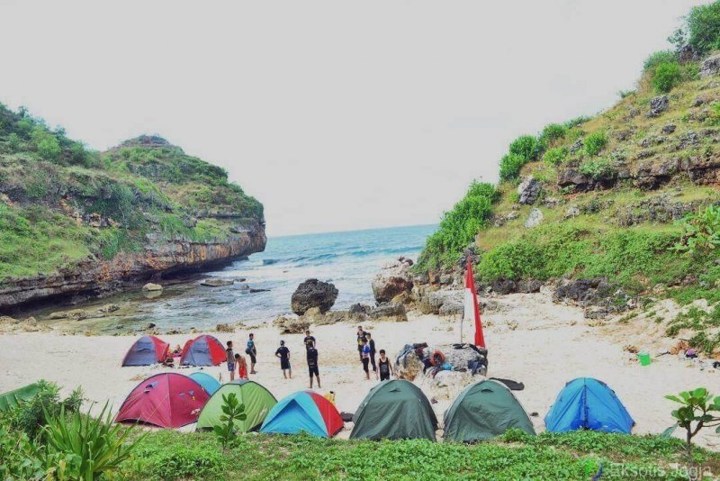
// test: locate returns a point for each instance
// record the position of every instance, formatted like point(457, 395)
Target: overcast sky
point(336, 115)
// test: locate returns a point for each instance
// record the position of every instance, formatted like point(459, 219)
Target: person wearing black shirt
point(312, 361)
point(371, 343)
point(283, 353)
point(360, 337)
point(309, 340)
point(384, 366)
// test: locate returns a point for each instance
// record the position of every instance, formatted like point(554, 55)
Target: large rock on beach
point(313, 293)
point(392, 280)
point(291, 325)
point(216, 282)
point(389, 311)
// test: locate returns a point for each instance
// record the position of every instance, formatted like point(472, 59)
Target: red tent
point(202, 351)
point(166, 400)
point(146, 351)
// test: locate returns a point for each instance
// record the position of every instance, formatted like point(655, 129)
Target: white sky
point(336, 115)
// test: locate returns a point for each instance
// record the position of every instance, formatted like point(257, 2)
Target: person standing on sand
point(371, 343)
point(365, 356)
point(360, 337)
point(312, 361)
point(309, 340)
point(242, 366)
point(384, 366)
point(283, 353)
point(251, 351)
point(230, 360)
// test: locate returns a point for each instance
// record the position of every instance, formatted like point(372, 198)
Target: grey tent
point(395, 409)
point(485, 410)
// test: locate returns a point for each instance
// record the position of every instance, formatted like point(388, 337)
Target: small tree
point(233, 411)
point(699, 410)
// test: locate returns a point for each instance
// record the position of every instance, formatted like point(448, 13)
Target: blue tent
point(209, 383)
point(586, 403)
point(304, 411)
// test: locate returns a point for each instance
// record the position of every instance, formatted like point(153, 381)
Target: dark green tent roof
point(395, 409)
point(11, 399)
point(485, 410)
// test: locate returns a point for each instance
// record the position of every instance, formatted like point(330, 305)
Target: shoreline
point(530, 339)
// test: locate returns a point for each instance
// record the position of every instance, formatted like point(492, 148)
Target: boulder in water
point(152, 287)
point(313, 293)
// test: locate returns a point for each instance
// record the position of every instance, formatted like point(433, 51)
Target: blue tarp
point(209, 383)
point(586, 403)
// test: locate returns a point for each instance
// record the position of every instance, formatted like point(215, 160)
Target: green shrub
point(31, 417)
point(93, 447)
point(556, 155)
point(510, 166)
point(702, 29)
point(666, 76)
point(552, 133)
point(598, 168)
point(701, 231)
point(459, 227)
point(526, 146)
point(655, 59)
point(46, 144)
point(595, 142)
point(13, 142)
point(577, 121)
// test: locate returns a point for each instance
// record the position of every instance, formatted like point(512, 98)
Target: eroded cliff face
point(95, 278)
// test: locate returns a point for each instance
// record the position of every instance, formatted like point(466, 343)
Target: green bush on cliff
point(556, 155)
point(595, 142)
point(701, 30)
point(458, 227)
point(665, 76)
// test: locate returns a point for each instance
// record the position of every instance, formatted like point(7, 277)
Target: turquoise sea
point(347, 259)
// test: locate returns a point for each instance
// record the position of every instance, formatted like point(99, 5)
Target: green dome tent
point(484, 410)
point(395, 409)
point(257, 400)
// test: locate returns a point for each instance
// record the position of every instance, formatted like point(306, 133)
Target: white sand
point(530, 339)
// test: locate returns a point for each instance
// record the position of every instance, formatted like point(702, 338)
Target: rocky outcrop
point(389, 311)
point(313, 293)
point(710, 66)
point(529, 191)
point(95, 277)
point(534, 219)
point(393, 279)
point(291, 325)
point(658, 105)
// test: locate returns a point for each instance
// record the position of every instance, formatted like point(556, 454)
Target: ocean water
point(349, 260)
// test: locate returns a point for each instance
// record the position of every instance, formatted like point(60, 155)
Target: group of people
point(366, 349)
point(367, 352)
point(237, 361)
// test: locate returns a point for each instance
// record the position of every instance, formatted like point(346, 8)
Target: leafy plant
point(31, 416)
point(556, 155)
point(552, 133)
point(90, 447)
point(701, 30)
point(233, 411)
point(701, 231)
point(596, 168)
point(510, 166)
point(595, 142)
point(698, 410)
point(656, 58)
point(526, 146)
point(666, 76)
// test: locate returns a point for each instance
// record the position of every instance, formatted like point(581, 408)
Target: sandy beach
point(530, 339)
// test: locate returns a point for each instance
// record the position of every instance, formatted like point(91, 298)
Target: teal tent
point(11, 399)
point(209, 383)
point(395, 409)
point(484, 410)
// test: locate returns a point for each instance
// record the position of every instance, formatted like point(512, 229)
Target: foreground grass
point(174, 456)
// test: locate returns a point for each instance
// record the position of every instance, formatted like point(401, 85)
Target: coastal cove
point(259, 287)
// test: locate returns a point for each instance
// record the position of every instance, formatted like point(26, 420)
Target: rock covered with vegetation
point(75, 221)
point(618, 209)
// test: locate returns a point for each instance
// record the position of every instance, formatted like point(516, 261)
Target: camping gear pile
point(416, 358)
point(204, 350)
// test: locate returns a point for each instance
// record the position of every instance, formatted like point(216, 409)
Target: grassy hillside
point(626, 195)
point(61, 203)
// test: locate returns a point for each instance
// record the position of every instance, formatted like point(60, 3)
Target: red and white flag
point(471, 311)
